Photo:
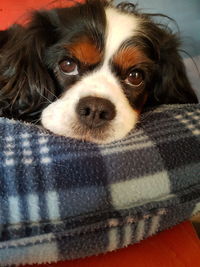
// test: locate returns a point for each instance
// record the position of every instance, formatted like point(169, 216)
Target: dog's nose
point(95, 112)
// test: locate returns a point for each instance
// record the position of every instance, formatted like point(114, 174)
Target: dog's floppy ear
point(170, 82)
point(25, 83)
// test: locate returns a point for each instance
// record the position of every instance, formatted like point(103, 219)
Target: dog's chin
point(78, 131)
point(99, 135)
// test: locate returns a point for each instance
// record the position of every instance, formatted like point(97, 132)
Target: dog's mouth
point(78, 130)
point(101, 134)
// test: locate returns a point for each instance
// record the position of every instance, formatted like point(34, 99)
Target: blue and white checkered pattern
point(63, 199)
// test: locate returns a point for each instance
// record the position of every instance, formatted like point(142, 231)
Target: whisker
point(51, 93)
point(36, 121)
point(145, 115)
point(50, 102)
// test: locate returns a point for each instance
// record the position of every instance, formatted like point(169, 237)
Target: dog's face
point(105, 64)
point(104, 78)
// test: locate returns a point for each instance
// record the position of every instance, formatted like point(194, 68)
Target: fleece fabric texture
point(65, 199)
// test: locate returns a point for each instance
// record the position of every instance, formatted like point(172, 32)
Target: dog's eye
point(135, 77)
point(69, 67)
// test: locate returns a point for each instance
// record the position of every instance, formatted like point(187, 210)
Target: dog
point(88, 71)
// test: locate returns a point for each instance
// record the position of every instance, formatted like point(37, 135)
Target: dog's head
point(90, 69)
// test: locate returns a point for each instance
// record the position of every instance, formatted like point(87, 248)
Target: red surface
point(15, 11)
point(176, 247)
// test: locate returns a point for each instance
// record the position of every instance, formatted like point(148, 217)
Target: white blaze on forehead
point(120, 27)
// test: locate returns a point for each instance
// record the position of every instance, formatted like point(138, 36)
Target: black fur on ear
point(26, 85)
point(170, 84)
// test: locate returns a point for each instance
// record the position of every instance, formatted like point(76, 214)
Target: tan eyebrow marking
point(85, 51)
point(130, 56)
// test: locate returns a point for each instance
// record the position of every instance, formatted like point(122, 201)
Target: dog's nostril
point(104, 115)
point(85, 111)
point(95, 112)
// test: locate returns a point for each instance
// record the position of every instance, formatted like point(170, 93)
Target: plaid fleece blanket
point(63, 199)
